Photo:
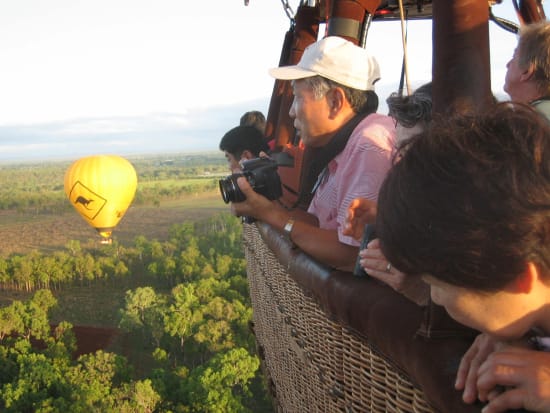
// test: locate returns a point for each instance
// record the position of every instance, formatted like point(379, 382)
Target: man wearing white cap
point(334, 112)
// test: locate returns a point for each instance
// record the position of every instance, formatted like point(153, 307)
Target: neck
point(527, 94)
point(343, 118)
point(338, 123)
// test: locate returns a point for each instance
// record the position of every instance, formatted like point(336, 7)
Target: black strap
point(317, 159)
point(322, 156)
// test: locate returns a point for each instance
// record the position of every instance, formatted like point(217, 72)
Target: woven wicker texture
point(315, 364)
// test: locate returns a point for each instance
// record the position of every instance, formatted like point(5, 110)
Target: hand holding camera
point(261, 174)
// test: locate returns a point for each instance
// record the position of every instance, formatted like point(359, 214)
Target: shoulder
point(375, 129)
point(378, 119)
point(543, 106)
point(376, 123)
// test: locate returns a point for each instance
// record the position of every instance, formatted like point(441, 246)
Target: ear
point(336, 100)
point(525, 283)
point(247, 155)
point(528, 73)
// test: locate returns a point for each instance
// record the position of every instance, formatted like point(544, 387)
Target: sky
point(82, 77)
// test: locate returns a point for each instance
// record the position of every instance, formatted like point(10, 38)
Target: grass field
point(21, 233)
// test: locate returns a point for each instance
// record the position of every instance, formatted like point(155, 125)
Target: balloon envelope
point(101, 188)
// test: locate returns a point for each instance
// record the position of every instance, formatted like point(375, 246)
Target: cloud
point(192, 130)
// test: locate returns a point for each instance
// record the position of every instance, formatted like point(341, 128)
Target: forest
point(38, 188)
point(179, 308)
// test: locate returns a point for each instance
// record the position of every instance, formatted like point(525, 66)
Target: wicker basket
point(316, 364)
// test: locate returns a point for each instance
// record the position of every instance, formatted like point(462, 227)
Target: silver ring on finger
point(388, 267)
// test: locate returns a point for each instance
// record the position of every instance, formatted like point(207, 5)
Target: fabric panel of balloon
point(101, 188)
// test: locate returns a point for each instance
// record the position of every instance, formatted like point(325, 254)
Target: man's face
point(502, 314)
point(512, 80)
point(232, 162)
point(311, 116)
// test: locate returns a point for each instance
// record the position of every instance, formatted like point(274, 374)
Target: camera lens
point(230, 190)
point(225, 189)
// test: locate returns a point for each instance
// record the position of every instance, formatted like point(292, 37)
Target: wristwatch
point(287, 229)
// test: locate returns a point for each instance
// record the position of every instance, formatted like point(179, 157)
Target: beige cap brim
point(290, 73)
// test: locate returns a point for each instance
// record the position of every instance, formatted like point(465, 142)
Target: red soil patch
point(91, 339)
point(88, 339)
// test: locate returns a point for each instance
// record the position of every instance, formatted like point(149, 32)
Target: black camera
point(261, 174)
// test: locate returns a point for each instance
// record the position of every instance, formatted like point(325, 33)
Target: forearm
point(321, 244)
point(324, 246)
point(417, 291)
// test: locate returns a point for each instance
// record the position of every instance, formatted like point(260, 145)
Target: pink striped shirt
point(357, 171)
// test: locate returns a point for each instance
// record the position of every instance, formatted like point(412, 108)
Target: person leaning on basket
point(334, 111)
point(412, 114)
point(467, 208)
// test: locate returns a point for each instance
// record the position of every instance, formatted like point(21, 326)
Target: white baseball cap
point(337, 59)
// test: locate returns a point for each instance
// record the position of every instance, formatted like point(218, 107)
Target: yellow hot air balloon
point(101, 188)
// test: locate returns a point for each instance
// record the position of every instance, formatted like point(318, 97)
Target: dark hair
point(243, 138)
point(253, 118)
point(412, 109)
point(469, 201)
point(371, 105)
